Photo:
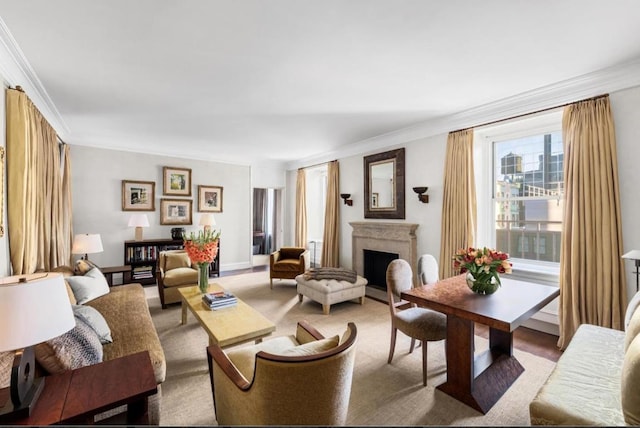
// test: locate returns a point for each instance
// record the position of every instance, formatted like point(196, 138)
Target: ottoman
point(330, 291)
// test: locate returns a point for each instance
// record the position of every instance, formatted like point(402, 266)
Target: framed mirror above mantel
point(384, 185)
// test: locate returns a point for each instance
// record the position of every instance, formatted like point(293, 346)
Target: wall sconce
point(345, 197)
point(420, 190)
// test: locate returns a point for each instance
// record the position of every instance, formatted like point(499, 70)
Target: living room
point(99, 166)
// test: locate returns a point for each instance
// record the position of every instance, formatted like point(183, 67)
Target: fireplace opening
point(375, 267)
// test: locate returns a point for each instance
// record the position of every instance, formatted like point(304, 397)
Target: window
point(528, 186)
point(520, 182)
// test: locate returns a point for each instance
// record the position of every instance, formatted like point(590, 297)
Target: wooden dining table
point(480, 379)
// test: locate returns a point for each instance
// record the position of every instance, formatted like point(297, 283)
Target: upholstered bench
point(330, 291)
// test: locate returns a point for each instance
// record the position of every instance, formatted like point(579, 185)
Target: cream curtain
point(592, 280)
point(331, 236)
point(39, 189)
point(301, 209)
point(459, 199)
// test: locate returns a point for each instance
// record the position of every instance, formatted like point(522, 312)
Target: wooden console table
point(76, 396)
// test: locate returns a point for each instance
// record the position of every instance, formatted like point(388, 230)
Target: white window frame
point(527, 270)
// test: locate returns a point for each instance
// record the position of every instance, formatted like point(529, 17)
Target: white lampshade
point(86, 243)
point(633, 255)
point(138, 220)
point(207, 220)
point(34, 311)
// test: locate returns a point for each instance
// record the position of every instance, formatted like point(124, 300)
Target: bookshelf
point(142, 256)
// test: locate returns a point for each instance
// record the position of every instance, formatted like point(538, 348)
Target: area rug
point(382, 394)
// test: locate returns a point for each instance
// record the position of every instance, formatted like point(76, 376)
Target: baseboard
point(235, 266)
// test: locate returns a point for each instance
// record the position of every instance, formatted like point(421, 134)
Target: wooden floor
point(525, 339)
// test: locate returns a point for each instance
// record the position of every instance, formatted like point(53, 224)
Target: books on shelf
point(219, 300)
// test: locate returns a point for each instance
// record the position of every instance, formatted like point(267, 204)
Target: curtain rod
point(530, 113)
point(317, 164)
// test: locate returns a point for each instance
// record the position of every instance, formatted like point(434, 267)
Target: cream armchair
point(288, 262)
point(290, 380)
point(174, 271)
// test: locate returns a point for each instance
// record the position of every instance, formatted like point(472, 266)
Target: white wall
point(97, 201)
point(5, 259)
point(625, 106)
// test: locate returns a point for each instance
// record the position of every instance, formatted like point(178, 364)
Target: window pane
point(528, 189)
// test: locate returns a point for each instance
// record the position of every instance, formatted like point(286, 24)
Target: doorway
point(267, 223)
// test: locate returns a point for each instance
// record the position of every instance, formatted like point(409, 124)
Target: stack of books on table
point(219, 300)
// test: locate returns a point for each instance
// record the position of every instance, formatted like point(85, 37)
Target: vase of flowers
point(482, 266)
point(202, 249)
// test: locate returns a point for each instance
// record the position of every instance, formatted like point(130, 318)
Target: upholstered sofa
point(127, 315)
point(595, 381)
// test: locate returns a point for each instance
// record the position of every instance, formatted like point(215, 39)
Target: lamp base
point(25, 387)
point(138, 233)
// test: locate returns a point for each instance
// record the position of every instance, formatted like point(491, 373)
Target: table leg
point(138, 412)
point(184, 311)
point(478, 381)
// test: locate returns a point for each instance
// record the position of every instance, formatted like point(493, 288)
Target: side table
point(109, 271)
point(76, 396)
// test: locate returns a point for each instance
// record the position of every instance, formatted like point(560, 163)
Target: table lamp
point(207, 220)
point(86, 243)
point(138, 221)
point(634, 255)
point(33, 309)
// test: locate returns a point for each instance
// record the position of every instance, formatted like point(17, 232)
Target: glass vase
point(482, 283)
point(203, 277)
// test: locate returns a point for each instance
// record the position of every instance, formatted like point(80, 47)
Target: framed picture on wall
point(210, 199)
point(176, 181)
point(175, 211)
point(138, 195)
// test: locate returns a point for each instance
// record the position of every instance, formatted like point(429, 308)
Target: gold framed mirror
point(384, 185)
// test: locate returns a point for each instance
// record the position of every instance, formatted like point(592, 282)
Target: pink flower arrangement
point(483, 263)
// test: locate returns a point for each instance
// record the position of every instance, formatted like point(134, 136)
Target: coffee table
point(480, 380)
point(228, 326)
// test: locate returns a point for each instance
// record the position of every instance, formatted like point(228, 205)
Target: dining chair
point(428, 269)
point(418, 323)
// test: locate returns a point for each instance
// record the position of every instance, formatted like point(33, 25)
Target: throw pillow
point(88, 287)
point(176, 260)
point(632, 330)
point(83, 266)
point(630, 393)
point(311, 348)
point(76, 348)
point(95, 320)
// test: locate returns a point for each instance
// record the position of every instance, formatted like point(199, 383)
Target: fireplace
point(375, 267)
point(394, 238)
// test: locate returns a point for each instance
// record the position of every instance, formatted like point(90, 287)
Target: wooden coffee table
point(480, 380)
point(228, 326)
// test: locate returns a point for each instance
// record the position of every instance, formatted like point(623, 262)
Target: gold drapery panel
point(459, 199)
point(592, 280)
point(38, 189)
point(331, 235)
point(301, 209)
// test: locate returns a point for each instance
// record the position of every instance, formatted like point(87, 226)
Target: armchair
point(174, 271)
point(288, 262)
point(289, 380)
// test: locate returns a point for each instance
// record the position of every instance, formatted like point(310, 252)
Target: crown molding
point(15, 70)
point(607, 80)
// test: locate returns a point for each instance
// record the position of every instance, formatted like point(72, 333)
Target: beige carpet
point(382, 394)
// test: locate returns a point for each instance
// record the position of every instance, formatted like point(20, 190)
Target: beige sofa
point(127, 314)
point(595, 381)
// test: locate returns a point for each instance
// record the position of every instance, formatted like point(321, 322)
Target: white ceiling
point(248, 81)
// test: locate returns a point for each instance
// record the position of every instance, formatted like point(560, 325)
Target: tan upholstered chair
point(288, 262)
point(289, 380)
point(174, 271)
point(420, 324)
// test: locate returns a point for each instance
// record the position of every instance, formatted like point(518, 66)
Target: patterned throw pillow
point(95, 320)
point(83, 266)
point(76, 348)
